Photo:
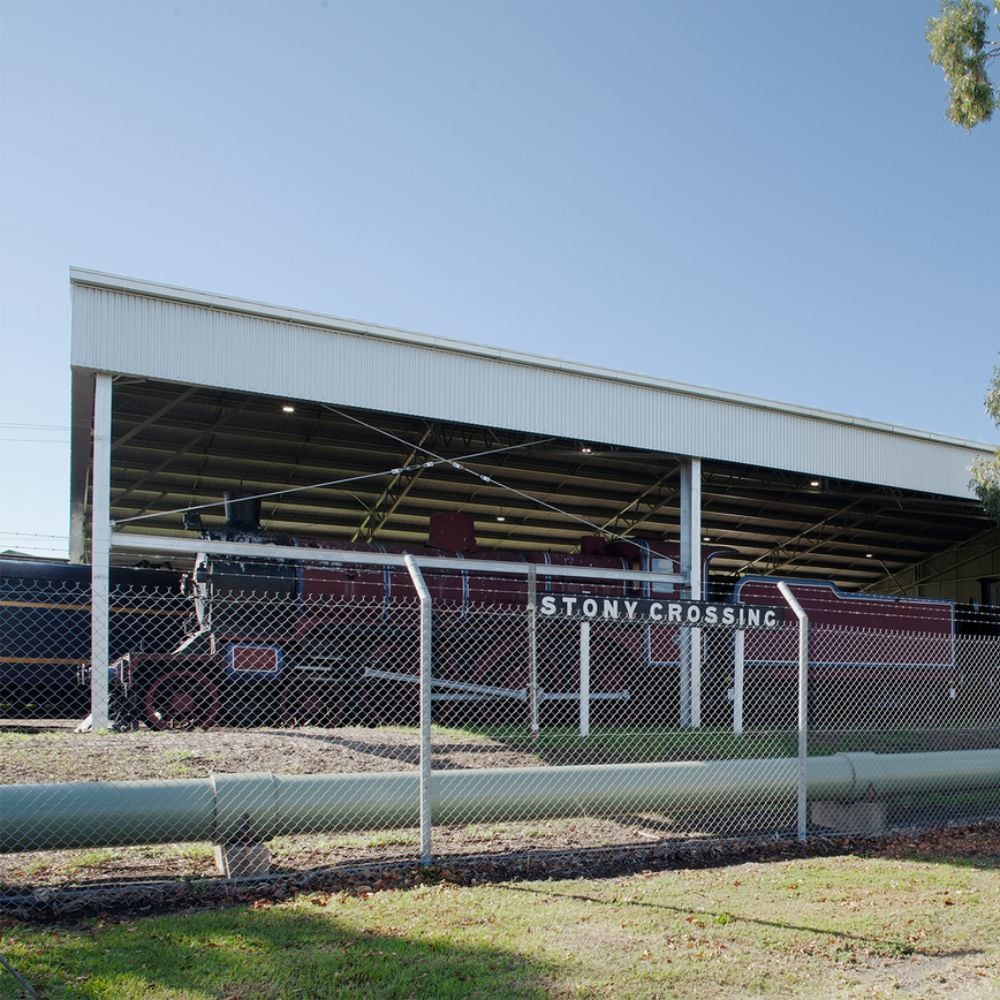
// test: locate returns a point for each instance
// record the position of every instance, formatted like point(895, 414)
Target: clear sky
point(761, 197)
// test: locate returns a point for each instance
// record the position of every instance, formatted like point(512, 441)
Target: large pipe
point(227, 808)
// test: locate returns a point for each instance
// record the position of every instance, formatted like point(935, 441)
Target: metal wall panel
point(136, 328)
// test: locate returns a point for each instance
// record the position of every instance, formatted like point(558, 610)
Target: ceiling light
point(869, 555)
point(288, 408)
point(586, 449)
point(814, 482)
point(500, 517)
point(705, 538)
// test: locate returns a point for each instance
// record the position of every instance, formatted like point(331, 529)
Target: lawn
point(918, 920)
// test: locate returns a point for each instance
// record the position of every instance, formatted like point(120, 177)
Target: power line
point(34, 427)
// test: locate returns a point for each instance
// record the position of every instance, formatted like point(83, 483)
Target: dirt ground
point(48, 752)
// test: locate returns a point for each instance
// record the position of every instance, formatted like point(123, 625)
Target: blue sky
point(761, 197)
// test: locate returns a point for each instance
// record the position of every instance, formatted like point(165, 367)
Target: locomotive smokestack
point(242, 512)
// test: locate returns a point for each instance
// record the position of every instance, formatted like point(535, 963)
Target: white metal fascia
point(142, 328)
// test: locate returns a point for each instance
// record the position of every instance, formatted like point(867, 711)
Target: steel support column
point(690, 679)
point(100, 549)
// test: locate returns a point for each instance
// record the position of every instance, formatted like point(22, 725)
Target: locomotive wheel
point(181, 699)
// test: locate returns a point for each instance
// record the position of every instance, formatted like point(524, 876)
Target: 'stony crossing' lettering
point(702, 614)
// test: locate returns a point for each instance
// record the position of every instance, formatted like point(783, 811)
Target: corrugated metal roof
point(141, 328)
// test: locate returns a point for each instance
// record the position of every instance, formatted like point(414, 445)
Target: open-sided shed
point(360, 432)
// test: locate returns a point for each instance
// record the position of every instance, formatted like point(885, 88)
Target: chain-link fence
point(283, 724)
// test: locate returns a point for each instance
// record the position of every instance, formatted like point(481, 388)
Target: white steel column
point(100, 548)
point(584, 678)
point(690, 679)
point(76, 523)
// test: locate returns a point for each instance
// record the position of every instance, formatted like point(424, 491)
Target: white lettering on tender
point(693, 614)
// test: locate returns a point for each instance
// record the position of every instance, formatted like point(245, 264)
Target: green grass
point(841, 927)
point(99, 857)
point(178, 764)
point(556, 743)
point(318, 843)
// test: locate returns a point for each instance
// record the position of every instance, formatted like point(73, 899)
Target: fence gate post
point(584, 678)
point(426, 676)
point(803, 721)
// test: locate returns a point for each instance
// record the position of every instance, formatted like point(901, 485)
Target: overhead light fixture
point(705, 538)
point(586, 449)
point(288, 408)
point(869, 555)
point(500, 517)
point(814, 482)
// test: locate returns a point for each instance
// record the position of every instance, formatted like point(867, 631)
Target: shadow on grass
point(262, 953)
point(992, 863)
point(883, 945)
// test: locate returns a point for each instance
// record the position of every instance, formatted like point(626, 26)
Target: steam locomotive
point(256, 641)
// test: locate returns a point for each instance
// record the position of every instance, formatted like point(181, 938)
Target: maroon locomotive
point(299, 642)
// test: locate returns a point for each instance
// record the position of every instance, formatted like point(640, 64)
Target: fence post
point(803, 721)
point(533, 650)
point(584, 678)
point(426, 676)
point(100, 553)
point(738, 657)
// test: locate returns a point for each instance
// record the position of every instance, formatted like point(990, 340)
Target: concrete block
point(233, 860)
point(866, 817)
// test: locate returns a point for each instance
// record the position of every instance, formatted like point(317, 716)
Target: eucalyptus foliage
point(960, 46)
point(986, 472)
